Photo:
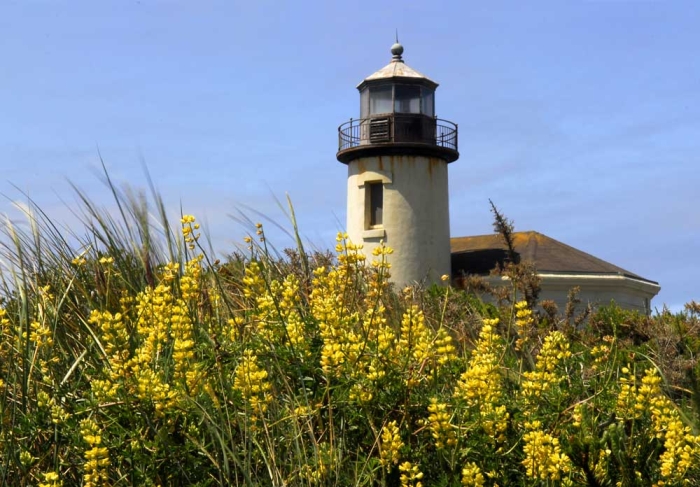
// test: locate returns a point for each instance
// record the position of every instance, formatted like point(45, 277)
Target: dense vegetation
point(128, 357)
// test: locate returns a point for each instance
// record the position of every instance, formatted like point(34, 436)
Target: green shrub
point(137, 360)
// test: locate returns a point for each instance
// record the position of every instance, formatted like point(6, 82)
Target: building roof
point(482, 253)
point(397, 68)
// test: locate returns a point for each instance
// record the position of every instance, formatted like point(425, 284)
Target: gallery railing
point(397, 128)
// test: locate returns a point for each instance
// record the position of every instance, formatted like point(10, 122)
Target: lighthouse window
point(380, 100)
point(428, 102)
point(364, 103)
point(375, 203)
point(407, 99)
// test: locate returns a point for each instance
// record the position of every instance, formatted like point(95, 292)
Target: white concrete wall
point(627, 293)
point(596, 289)
point(416, 221)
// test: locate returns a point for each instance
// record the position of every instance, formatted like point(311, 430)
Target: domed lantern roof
point(397, 71)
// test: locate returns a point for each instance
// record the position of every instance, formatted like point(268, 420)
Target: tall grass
point(129, 355)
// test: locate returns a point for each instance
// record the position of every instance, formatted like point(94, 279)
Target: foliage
point(137, 360)
point(522, 274)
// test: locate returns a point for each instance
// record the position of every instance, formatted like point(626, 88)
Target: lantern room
point(397, 106)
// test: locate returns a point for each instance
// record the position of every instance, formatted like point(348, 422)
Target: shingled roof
point(480, 254)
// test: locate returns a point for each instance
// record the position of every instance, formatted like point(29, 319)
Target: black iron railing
point(393, 128)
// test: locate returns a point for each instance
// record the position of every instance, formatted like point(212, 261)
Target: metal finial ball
point(397, 49)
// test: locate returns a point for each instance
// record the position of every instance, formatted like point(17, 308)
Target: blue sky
point(580, 120)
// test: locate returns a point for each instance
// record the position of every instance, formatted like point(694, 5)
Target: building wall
point(624, 298)
point(416, 221)
point(597, 289)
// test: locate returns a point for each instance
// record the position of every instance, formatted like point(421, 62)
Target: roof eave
point(569, 280)
point(398, 80)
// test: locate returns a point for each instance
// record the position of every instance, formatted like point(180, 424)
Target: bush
point(138, 361)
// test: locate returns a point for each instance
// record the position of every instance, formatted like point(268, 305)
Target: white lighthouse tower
point(397, 154)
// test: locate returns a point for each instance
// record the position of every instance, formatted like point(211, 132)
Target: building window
point(428, 102)
point(364, 103)
point(380, 98)
point(374, 193)
point(407, 99)
point(387, 98)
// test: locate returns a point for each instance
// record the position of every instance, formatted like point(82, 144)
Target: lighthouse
point(397, 154)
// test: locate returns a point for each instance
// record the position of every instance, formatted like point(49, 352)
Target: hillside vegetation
point(128, 356)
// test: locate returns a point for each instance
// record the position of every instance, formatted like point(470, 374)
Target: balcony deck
point(397, 134)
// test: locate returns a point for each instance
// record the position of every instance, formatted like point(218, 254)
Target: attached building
point(560, 267)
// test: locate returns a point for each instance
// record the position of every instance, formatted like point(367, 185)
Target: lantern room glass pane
point(380, 100)
point(407, 99)
point(428, 105)
point(364, 103)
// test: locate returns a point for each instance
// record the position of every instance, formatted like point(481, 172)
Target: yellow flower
point(543, 457)
point(410, 475)
point(336, 319)
point(415, 340)
point(472, 476)
point(480, 386)
point(188, 230)
point(600, 354)
point(58, 414)
point(51, 479)
point(389, 450)
point(439, 423)
point(546, 374)
point(523, 323)
point(26, 458)
point(41, 334)
point(251, 381)
point(640, 399)
point(325, 459)
point(443, 347)
point(96, 457)
point(170, 271)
